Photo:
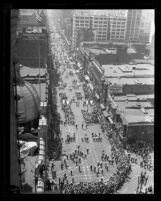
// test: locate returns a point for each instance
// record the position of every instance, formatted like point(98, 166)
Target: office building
point(133, 25)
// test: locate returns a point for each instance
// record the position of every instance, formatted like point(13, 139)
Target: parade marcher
point(72, 180)
point(87, 151)
point(79, 169)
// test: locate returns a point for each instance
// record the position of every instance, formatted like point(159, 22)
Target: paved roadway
point(95, 147)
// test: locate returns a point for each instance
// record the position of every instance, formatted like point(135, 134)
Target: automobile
point(40, 186)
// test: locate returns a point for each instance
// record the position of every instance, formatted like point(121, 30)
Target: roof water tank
point(29, 103)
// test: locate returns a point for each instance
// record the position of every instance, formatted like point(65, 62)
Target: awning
point(106, 114)
point(110, 120)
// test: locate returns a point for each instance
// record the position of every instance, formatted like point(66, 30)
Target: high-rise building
point(146, 28)
point(106, 25)
point(112, 25)
point(117, 28)
point(100, 27)
point(133, 25)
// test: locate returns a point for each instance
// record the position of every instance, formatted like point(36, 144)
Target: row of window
point(87, 22)
point(116, 33)
point(104, 26)
point(100, 22)
point(117, 30)
point(82, 25)
point(100, 19)
point(118, 19)
point(117, 37)
point(118, 23)
point(83, 18)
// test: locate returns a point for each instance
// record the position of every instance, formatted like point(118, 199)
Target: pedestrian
point(66, 166)
point(59, 180)
point(102, 158)
point(79, 169)
point(94, 169)
point(87, 151)
point(67, 157)
point(91, 167)
point(71, 173)
point(102, 172)
point(72, 180)
point(85, 156)
point(76, 163)
point(62, 166)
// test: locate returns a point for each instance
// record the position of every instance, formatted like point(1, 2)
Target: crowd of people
point(96, 137)
point(143, 150)
point(69, 116)
point(118, 156)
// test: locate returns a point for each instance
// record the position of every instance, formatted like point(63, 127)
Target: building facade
point(113, 25)
point(133, 25)
point(117, 28)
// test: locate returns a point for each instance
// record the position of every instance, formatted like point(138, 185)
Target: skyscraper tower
point(133, 25)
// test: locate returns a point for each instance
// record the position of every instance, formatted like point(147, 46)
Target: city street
point(95, 148)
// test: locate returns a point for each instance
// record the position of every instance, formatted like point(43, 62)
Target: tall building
point(117, 27)
point(133, 25)
point(106, 25)
point(112, 25)
point(80, 21)
point(151, 56)
point(100, 27)
point(146, 28)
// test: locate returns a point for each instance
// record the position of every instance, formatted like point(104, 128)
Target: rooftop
point(135, 111)
point(126, 70)
point(24, 71)
point(130, 81)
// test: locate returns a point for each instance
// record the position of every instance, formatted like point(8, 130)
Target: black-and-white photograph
point(82, 101)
